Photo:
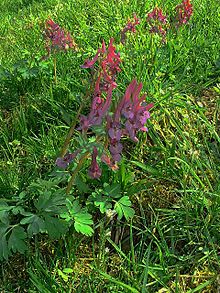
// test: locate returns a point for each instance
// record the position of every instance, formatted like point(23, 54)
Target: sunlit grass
point(172, 243)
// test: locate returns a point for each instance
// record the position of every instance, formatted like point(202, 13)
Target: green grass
point(173, 241)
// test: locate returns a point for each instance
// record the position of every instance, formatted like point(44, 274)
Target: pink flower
point(157, 15)
point(134, 110)
point(184, 12)
point(99, 109)
point(110, 64)
point(66, 160)
point(56, 38)
point(157, 21)
point(130, 26)
point(108, 161)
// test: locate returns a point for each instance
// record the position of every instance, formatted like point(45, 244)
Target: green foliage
point(82, 219)
point(64, 273)
point(173, 241)
point(123, 208)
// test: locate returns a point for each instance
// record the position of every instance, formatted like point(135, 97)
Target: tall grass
point(172, 244)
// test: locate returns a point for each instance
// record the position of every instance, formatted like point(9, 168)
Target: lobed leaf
point(16, 241)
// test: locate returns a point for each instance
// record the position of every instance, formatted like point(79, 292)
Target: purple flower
point(115, 132)
point(56, 38)
point(66, 160)
point(115, 150)
point(94, 171)
point(130, 26)
point(98, 111)
point(134, 110)
point(157, 22)
point(184, 12)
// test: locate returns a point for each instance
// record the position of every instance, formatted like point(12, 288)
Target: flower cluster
point(184, 12)
point(56, 38)
point(66, 160)
point(130, 117)
point(109, 61)
point(130, 26)
point(124, 120)
point(98, 109)
point(157, 21)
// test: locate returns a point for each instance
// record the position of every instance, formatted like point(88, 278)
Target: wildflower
point(94, 170)
point(56, 38)
point(130, 26)
point(115, 134)
point(109, 162)
point(134, 110)
point(130, 117)
point(184, 12)
point(157, 21)
point(109, 61)
point(98, 110)
point(66, 160)
point(157, 15)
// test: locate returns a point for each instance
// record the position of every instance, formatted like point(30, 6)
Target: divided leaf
point(55, 227)
point(36, 224)
point(103, 203)
point(82, 219)
point(123, 208)
point(54, 202)
point(113, 190)
point(16, 241)
point(82, 223)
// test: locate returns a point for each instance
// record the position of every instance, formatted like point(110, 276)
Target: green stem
point(81, 161)
point(55, 69)
point(73, 125)
point(70, 133)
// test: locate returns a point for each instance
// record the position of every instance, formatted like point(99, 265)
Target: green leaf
point(82, 219)
point(128, 212)
point(4, 217)
point(125, 201)
point(63, 276)
point(147, 168)
point(81, 185)
point(16, 241)
point(55, 227)
point(68, 271)
point(73, 207)
point(36, 224)
point(123, 208)
point(119, 210)
point(44, 185)
point(54, 202)
point(103, 203)
point(84, 229)
point(82, 223)
point(18, 210)
point(113, 190)
point(4, 206)
point(22, 195)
